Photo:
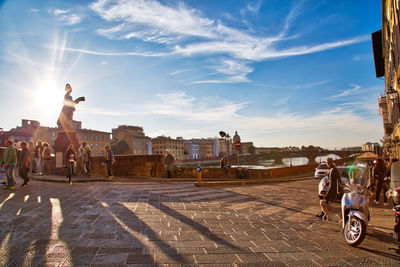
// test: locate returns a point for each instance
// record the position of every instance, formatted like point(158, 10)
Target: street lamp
point(226, 136)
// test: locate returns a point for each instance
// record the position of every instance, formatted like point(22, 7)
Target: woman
point(38, 156)
point(71, 162)
point(46, 156)
point(87, 159)
point(379, 176)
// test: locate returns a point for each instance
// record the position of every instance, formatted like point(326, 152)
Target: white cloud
point(348, 92)
point(186, 31)
point(67, 16)
point(178, 71)
point(34, 10)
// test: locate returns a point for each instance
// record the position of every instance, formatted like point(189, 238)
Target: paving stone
point(155, 224)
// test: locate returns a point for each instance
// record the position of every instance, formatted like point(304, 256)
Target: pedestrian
point(17, 144)
point(109, 161)
point(9, 161)
point(379, 173)
point(223, 165)
point(333, 191)
point(87, 159)
point(71, 162)
point(31, 148)
point(38, 156)
point(80, 164)
point(169, 161)
point(23, 163)
point(46, 158)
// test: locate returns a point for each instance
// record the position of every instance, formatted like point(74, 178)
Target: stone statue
point(66, 116)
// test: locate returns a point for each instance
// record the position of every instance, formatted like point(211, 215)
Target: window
point(80, 137)
point(86, 137)
point(91, 137)
point(102, 138)
point(96, 137)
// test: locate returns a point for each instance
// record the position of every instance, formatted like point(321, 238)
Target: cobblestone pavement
point(142, 223)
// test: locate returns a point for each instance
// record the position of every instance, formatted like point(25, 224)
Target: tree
point(119, 147)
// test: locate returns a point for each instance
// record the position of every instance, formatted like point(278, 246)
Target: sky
point(279, 72)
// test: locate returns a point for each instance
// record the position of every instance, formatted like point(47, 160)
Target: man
point(169, 161)
point(81, 152)
point(46, 158)
point(9, 161)
point(109, 160)
point(31, 148)
point(23, 163)
point(333, 192)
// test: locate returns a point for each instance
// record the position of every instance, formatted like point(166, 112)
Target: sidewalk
point(62, 179)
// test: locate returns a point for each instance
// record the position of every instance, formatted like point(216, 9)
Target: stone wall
point(152, 166)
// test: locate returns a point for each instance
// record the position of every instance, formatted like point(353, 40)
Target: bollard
point(199, 173)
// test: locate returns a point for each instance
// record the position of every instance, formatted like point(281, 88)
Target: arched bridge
point(279, 156)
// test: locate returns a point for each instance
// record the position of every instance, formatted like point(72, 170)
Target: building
point(31, 130)
point(371, 147)
point(161, 144)
point(194, 148)
point(225, 147)
point(138, 142)
point(96, 139)
point(206, 148)
point(386, 46)
point(246, 147)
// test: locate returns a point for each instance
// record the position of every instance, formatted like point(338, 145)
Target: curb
point(63, 180)
point(250, 182)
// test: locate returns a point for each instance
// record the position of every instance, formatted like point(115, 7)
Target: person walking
point(23, 163)
point(334, 189)
point(9, 161)
point(223, 165)
point(46, 156)
point(31, 148)
point(379, 173)
point(71, 162)
point(169, 161)
point(80, 168)
point(87, 159)
point(109, 160)
point(38, 156)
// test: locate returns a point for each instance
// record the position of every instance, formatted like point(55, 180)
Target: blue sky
point(280, 73)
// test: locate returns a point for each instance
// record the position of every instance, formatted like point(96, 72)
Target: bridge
point(279, 156)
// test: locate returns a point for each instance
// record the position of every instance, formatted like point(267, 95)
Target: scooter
point(355, 210)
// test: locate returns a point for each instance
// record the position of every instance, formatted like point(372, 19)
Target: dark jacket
point(334, 181)
point(379, 172)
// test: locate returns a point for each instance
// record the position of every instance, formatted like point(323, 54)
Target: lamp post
point(227, 137)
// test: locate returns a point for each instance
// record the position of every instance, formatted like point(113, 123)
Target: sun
point(49, 96)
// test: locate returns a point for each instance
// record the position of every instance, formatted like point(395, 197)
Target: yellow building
point(386, 44)
point(161, 144)
point(138, 142)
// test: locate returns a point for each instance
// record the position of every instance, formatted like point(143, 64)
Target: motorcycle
point(394, 192)
point(355, 209)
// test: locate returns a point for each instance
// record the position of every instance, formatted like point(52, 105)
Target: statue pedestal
point(64, 139)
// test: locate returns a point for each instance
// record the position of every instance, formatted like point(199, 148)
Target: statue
point(66, 116)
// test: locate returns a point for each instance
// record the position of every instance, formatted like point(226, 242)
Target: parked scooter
point(355, 209)
point(395, 194)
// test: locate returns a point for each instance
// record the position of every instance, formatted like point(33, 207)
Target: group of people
point(31, 158)
point(37, 160)
point(379, 173)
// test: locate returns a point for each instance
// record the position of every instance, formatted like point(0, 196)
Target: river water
point(296, 161)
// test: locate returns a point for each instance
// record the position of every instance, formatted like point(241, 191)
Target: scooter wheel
point(354, 231)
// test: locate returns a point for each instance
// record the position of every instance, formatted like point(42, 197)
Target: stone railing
point(152, 166)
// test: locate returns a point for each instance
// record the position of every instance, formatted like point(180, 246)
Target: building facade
point(162, 144)
point(138, 142)
point(31, 130)
point(206, 148)
point(386, 45)
point(194, 148)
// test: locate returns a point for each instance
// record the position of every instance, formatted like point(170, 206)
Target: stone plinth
point(64, 139)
